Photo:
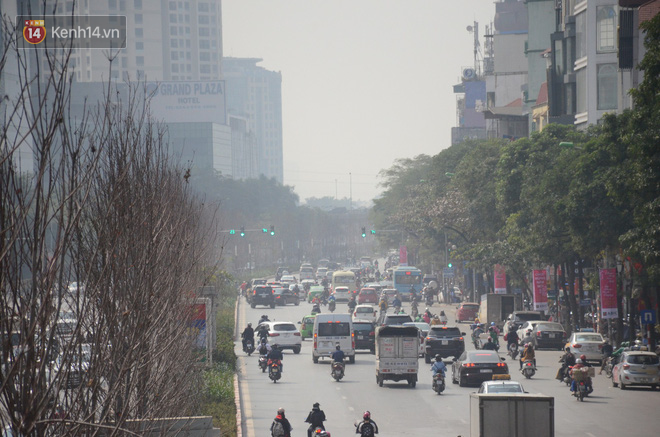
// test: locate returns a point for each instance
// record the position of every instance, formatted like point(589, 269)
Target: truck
point(512, 415)
point(497, 307)
point(397, 353)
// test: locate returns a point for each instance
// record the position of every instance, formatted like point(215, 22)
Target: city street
point(400, 410)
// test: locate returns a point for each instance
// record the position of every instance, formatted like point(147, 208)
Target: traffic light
point(373, 232)
point(242, 232)
point(364, 232)
point(264, 230)
point(449, 265)
point(232, 231)
point(272, 230)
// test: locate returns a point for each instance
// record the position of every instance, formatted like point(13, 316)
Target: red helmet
point(366, 415)
point(583, 357)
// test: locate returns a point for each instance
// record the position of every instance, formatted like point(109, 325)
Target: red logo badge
point(34, 31)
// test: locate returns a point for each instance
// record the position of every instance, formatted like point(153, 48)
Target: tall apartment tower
point(166, 40)
point(255, 94)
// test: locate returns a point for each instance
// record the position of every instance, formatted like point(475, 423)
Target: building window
point(607, 86)
point(175, 68)
point(139, 60)
point(203, 7)
point(204, 31)
point(581, 85)
point(112, 4)
point(606, 28)
point(205, 56)
point(137, 4)
point(138, 18)
point(581, 35)
point(139, 32)
point(139, 45)
point(203, 19)
point(174, 56)
point(172, 18)
point(174, 43)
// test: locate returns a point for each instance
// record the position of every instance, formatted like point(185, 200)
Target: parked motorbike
point(263, 363)
point(528, 369)
point(249, 348)
point(331, 306)
point(513, 351)
point(337, 371)
point(274, 370)
point(438, 383)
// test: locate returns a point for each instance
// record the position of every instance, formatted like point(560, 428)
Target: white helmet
point(578, 361)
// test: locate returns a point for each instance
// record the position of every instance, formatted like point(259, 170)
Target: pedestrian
point(280, 426)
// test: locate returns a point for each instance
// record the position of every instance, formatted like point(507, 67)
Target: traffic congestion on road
point(415, 404)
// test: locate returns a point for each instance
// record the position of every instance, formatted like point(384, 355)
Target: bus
point(405, 277)
point(345, 279)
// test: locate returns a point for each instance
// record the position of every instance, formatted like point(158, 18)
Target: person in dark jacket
point(284, 421)
point(315, 418)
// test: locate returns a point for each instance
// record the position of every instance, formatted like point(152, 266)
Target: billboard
point(403, 256)
point(608, 308)
point(183, 101)
point(540, 284)
point(500, 279)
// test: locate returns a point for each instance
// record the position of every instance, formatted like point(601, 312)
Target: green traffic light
point(242, 232)
point(449, 265)
point(272, 230)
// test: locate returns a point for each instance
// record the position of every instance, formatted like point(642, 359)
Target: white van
point(330, 329)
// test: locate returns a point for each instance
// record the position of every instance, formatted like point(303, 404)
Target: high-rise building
point(255, 94)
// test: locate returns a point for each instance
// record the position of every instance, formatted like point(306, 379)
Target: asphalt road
point(402, 411)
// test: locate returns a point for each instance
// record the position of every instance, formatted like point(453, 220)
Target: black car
point(262, 295)
point(396, 319)
point(476, 366)
point(365, 335)
point(285, 296)
point(444, 341)
point(550, 335)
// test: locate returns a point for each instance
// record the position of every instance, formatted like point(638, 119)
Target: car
point(262, 295)
point(446, 341)
point(467, 312)
point(321, 272)
point(285, 296)
point(423, 328)
point(259, 281)
point(315, 291)
point(549, 335)
point(395, 319)
point(375, 285)
point(307, 326)
point(389, 294)
point(477, 366)
point(74, 365)
point(287, 279)
point(306, 272)
point(501, 386)
point(367, 295)
point(589, 344)
point(365, 335)
point(528, 325)
point(636, 368)
point(285, 335)
point(342, 294)
point(518, 318)
point(365, 312)
point(281, 271)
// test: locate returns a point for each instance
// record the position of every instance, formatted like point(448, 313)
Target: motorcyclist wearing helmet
point(439, 366)
point(511, 337)
point(476, 333)
point(247, 335)
point(275, 354)
point(315, 418)
point(567, 360)
point(281, 418)
point(527, 339)
point(492, 334)
point(495, 328)
point(527, 355)
point(352, 303)
point(583, 358)
point(367, 427)
point(264, 347)
point(578, 365)
point(264, 318)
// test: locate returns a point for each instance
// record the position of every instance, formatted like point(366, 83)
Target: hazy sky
point(364, 82)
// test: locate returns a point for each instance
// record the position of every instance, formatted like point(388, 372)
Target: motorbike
point(249, 347)
point(274, 370)
point(429, 299)
point(580, 390)
point(324, 301)
point(331, 306)
point(608, 367)
point(318, 431)
point(528, 369)
point(263, 363)
point(438, 383)
point(414, 312)
point(337, 371)
point(513, 351)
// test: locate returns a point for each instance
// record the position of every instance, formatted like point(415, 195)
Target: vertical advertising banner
point(540, 290)
point(500, 279)
point(608, 309)
point(403, 256)
point(198, 325)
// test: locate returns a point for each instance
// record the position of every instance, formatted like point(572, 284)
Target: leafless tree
point(102, 249)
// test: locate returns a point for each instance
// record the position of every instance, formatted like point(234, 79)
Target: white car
point(589, 344)
point(365, 312)
point(342, 294)
point(530, 324)
point(501, 386)
point(287, 279)
point(423, 330)
point(636, 368)
point(285, 335)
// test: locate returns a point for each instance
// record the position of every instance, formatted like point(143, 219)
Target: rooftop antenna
point(474, 29)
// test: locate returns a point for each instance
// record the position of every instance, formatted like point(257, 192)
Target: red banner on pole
point(500, 279)
point(608, 308)
point(403, 256)
point(540, 283)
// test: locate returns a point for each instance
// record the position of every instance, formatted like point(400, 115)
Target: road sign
point(648, 317)
point(585, 302)
point(448, 272)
